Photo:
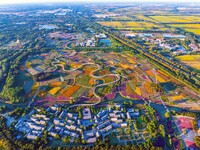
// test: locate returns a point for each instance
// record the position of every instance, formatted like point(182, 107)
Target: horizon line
point(104, 2)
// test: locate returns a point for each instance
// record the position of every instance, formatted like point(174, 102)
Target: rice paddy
point(190, 60)
point(193, 28)
point(176, 19)
point(111, 24)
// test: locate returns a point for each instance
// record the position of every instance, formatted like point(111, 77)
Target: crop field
point(195, 31)
point(86, 81)
point(194, 28)
point(144, 18)
point(111, 24)
point(190, 26)
point(190, 60)
point(176, 19)
point(139, 24)
point(121, 18)
point(129, 24)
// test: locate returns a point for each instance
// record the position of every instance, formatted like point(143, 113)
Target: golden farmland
point(176, 19)
point(129, 24)
point(111, 24)
point(195, 31)
point(145, 18)
point(194, 28)
point(190, 60)
point(139, 24)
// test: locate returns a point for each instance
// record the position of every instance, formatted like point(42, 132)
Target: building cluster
point(90, 42)
point(194, 48)
point(101, 36)
point(184, 124)
point(163, 41)
point(60, 123)
point(33, 124)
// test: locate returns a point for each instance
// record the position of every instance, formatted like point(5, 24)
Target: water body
point(106, 41)
point(49, 27)
point(120, 99)
point(173, 36)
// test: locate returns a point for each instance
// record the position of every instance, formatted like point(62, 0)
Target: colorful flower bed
point(70, 90)
point(54, 90)
point(148, 88)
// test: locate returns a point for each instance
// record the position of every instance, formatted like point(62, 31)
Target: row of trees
point(176, 70)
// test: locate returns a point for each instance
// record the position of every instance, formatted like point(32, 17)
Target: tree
point(135, 127)
point(71, 101)
point(167, 115)
point(197, 141)
point(194, 125)
point(162, 130)
point(57, 136)
point(144, 118)
point(148, 144)
point(59, 148)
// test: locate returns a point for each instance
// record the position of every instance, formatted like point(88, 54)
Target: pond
point(50, 27)
point(120, 99)
point(107, 42)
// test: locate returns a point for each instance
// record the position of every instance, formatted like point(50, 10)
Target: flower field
point(138, 91)
point(148, 88)
point(54, 90)
point(160, 79)
point(70, 90)
point(55, 84)
point(178, 97)
point(92, 83)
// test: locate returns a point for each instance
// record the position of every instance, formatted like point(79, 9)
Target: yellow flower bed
point(138, 91)
point(56, 84)
point(62, 63)
point(28, 64)
point(35, 86)
point(179, 97)
point(54, 90)
point(159, 79)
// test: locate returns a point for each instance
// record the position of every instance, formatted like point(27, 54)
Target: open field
point(130, 24)
point(189, 26)
point(194, 28)
point(190, 60)
point(176, 19)
point(139, 24)
point(144, 18)
point(195, 31)
point(111, 24)
point(86, 81)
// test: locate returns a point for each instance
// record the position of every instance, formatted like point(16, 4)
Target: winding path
point(94, 89)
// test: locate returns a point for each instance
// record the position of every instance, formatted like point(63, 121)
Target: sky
point(44, 1)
